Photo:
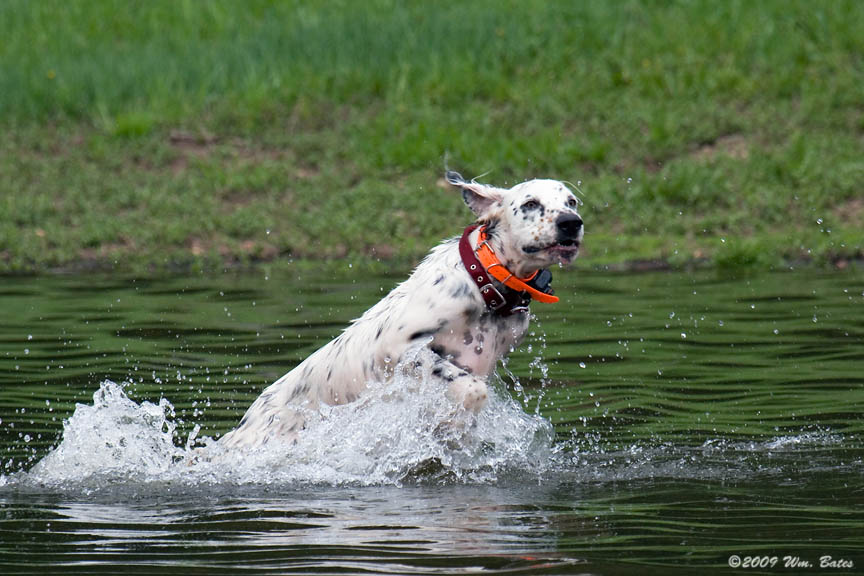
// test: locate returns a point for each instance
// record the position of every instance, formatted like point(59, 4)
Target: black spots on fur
point(428, 332)
point(492, 322)
point(478, 350)
point(299, 391)
point(244, 419)
point(461, 290)
point(337, 344)
point(473, 313)
point(438, 372)
point(438, 280)
point(467, 338)
point(329, 373)
point(491, 225)
point(440, 351)
point(380, 330)
point(422, 334)
point(533, 208)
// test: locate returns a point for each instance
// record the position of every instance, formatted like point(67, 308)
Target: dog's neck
point(501, 251)
point(502, 290)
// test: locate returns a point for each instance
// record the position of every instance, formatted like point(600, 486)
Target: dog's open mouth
point(568, 246)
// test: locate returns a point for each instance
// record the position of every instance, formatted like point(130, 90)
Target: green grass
point(174, 133)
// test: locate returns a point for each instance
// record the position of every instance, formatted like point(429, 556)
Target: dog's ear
point(478, 197)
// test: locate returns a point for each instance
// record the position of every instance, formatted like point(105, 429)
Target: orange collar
point(494, 268)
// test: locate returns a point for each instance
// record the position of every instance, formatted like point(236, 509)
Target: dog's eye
point(531, 205)
point(571, 202)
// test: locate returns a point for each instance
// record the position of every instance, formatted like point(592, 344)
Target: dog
point(464, 307)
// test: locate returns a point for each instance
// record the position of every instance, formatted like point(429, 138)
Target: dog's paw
point(468, 391)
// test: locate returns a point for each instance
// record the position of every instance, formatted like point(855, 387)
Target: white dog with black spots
point(439, 310)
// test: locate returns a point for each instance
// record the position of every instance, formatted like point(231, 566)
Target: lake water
point(655, 423)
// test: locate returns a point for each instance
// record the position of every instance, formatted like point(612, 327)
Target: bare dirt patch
point(850, 212)
point(731, 146)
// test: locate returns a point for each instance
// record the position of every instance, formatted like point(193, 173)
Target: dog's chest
point(477, 343)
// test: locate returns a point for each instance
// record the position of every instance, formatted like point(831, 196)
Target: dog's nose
point(569, 225)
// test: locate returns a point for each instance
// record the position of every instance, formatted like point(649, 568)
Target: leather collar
point(513, 294)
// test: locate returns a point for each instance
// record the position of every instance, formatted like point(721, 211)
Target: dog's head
point(532, 225)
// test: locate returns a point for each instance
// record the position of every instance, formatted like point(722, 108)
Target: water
point(650, 424)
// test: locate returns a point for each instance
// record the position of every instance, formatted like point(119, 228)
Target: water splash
point(587, 458)
point(114, 439)
point(401, 431)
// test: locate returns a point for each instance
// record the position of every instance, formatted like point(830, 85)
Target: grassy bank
point(182, 133)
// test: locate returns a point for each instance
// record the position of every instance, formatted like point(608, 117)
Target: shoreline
point(195, 266)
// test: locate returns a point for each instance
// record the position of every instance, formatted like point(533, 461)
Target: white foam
point(113, 439)
point(403, 430)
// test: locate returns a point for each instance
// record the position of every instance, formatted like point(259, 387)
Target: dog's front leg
point(466, 389)
point(462, 387)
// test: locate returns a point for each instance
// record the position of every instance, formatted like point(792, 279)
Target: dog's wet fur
point(438, 309)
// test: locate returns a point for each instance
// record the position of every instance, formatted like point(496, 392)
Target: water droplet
point(581, 365)
point(683, 335)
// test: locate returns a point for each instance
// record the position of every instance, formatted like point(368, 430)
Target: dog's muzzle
point(569, 228)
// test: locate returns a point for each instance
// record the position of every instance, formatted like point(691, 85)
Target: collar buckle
point(494, 299)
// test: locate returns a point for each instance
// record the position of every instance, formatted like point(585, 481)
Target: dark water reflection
point(696, 416)
point(655, 526)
